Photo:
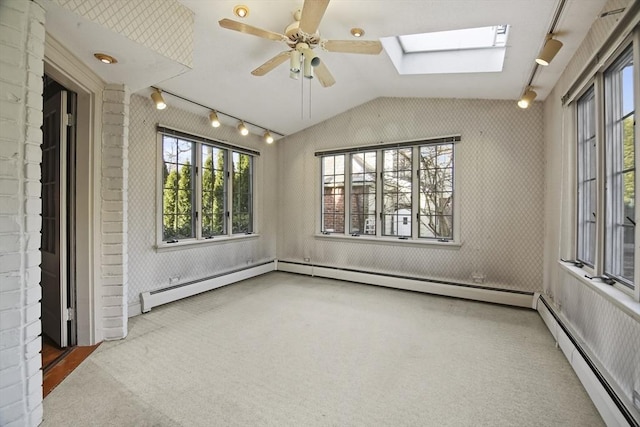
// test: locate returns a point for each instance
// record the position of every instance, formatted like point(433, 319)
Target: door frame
point(63, 67)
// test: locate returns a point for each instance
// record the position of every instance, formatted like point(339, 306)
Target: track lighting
point(527, 98)
point(267, 137)
point(157, 98)
point(213, 118)
point(243, 129)
point(549, 51)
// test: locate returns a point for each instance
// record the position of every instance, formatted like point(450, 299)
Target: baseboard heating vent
point(184, 290)
point(429, 286)
point(609, 402)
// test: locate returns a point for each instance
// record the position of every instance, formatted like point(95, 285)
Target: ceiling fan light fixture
point(527, 98)
point(241, 11)
point(213, 118)
point(268, 138)
point(357, 32)
point(156, 96)
point(549, 51)
point(105, 59)
point(294, 62)
point(243, 129)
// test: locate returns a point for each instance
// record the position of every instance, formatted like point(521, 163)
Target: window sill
point(618, 297)
point(192, 243)
point(391, 241)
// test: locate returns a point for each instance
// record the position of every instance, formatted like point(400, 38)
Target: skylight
point(470, 50)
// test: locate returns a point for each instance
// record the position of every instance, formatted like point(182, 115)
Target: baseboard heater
point(184, 290)
point(611, 406)
point(429, 286)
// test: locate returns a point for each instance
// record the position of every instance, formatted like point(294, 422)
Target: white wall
point(22, 45)
point(150, 270)
point(499, 171)
point(609, 332)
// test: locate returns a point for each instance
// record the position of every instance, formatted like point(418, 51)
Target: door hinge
point(69, 119)
point(70, 314)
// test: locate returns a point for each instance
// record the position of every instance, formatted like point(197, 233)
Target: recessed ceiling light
point(357, 32)
point(241, 11)
point(105, 59)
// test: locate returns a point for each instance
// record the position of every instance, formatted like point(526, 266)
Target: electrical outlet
point(307, 260)
point(478, 278)
point(250, 261)
point(174, 280)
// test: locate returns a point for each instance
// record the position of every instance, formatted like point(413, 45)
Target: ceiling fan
point(302, 37)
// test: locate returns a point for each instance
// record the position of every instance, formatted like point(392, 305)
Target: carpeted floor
point(290, 350)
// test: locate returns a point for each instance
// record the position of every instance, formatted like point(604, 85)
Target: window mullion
point(415, 192)
point(198, 191)
point(379, 214)
point(347, 194)
point(600, 175)
point(228, 193)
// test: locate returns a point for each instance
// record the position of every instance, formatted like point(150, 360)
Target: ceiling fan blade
point(323, 75)
point(312, 13)
point(230, 24)
point(272, 63)
point(370, 47)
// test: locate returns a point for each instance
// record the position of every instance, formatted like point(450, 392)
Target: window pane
point(213, 191)
point(242, 194)
point(436, 192)
point(396, 187)
point(586, 242)
point(178, 189)
point(333, 194)
point(620, 170)
point(363, 193)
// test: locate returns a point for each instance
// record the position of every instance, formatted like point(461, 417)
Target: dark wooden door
point(53, 281)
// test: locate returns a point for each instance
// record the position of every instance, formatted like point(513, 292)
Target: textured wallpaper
point(609, 334)
point(150, 270)
point(166, 26)
point(499, 167)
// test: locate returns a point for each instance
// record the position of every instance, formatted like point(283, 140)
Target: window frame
point(598, 83)
point(379, 237)
point(198, 142)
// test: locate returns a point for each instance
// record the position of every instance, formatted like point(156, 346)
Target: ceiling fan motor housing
point(296, 35)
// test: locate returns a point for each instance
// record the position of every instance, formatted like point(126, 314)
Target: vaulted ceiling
point(223, 60)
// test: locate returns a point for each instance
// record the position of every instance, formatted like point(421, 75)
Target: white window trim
point(455, 242)
point(198, 241)
point(620, 294)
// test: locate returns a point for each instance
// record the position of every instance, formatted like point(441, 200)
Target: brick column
point(115, 166)
point(21, 68)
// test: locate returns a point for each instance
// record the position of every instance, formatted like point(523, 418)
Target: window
point(620, 169)
point(587, 178)
point(198, 175)
point(403, 191)
point(606, 172)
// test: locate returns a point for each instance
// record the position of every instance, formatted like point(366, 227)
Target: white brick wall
point(115, 165)
point(21, 68)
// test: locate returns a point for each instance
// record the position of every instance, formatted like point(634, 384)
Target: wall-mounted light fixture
point(213, 118)
point(158, 99)
point(549, 50)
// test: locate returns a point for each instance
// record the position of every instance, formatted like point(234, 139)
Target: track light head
point(527, 98)
point(213, 118)
point(549, 51)
point(156, 96)
point(267, 137)
point(243, 129)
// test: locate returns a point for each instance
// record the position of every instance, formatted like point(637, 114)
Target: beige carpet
point(290, 350)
